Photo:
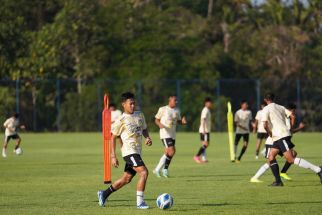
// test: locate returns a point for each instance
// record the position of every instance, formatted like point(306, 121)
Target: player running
point(130, 127)
point(243, 118)
point(11, 132)
point(275, 124)
point(167, 119)
point(204, 130)
point(290, 121)
point(259, 128)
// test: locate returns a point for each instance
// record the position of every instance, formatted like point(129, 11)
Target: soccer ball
point(164, 201)
point(19, 151)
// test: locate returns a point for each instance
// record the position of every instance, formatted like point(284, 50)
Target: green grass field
point(61, 173)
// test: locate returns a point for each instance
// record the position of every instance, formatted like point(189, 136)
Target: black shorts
point(285, 144)
point(167, 142)
point(239, 136)
point(205, 137)
point(8, 138)
point(262, 136)
point(268, 150)
point(131, 161)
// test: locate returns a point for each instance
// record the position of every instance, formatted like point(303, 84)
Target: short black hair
point(243, 101)
point(207, 99)
point(264, 103)
point(172, 95)
point(270, 96)
point(112, 105)
point(291, 106)
point(127, 95)
point(16, 115)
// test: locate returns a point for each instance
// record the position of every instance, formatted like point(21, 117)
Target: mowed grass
point(60, 173)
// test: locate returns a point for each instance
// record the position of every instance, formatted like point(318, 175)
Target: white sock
point(3, 151)
point(139, 197)
point(306, 165)
point(204, 155)
point(235, 150)
point(161, 163)
point(261, 171)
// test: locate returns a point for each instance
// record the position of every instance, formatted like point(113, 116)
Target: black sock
point(201, 150)
point(242, 152)
point(257, 152)
point(286, 166)
point(16, 147)
point(275, 170)
point(167, 162)
point(108, 192)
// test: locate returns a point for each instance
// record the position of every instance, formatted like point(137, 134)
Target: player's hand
point(161, 126)
point(148, 141)
point(184, 120)
point(23, 127)
point(115, 162)
point(301, 125)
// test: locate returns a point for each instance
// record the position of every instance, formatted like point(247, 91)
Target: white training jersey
point(11, 125)
point(114, 115)
point(243, 118)
point(260, 123)
point(169, 118)
point(205, 117)
point(276, 115)
point(130, 128)
point(269, 141)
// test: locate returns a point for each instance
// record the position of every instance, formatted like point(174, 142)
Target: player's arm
point(299, 128)
point(158, 123)
point(148, 140)
point(115, 162)
point(182, 121)
point(255, 125)
point(293, 119)
point(203, 124)
point(267, 128)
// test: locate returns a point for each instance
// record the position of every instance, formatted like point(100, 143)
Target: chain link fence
point(70, 105)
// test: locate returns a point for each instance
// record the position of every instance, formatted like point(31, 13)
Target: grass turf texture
point(61, 173)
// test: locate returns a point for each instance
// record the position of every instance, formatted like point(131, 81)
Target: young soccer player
point(131, 126)
point(243, 118)
point(167, 119)
point(11, 132)
point(259, 128)
point(275, 124)
point(269, 143)
point(204, 130)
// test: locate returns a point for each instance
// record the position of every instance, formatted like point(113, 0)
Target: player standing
point(204, 130)
point(167, 119)
point(275, 124)
point(130, 127)
point(11, 126)
point(259, 128)
point(242, 120)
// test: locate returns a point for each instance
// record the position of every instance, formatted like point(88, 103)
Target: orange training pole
point(106, 130)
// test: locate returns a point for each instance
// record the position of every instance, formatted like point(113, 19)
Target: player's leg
point(204, 141)
point(286, 166)
point(140, 188)
point(162, 160)
point(274, 167)
point(5, 146)
point(237, 139)
point(18, 142)
point(258, 144)
point(170, 152)
point(246, 140)
point(262, 169)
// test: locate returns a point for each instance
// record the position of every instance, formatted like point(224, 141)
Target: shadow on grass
point(293, 203)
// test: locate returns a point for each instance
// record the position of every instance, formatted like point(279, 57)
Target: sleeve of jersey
point(257, 116)
point(204, 114)
point(159, 114)
point(5, 124)
point(117, 128)
point(288, 113)
point(236, 119)
point(265, 115)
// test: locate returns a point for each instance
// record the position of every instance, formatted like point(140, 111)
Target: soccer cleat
point(4, 154)
point(156, 173)
point(165, 173)
point(320, 174)
point(255, 180)
point(143, 205)
point(197, 159)
point(256, 157)
point(277, 184)
point(101, 200)
point(204, 159)
point(237, 161)
point(285, 177)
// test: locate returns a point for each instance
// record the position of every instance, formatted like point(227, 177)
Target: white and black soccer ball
point(18, 151)
point(164, 201)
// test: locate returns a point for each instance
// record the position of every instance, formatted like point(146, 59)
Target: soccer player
point(204, 130)
point(115, 113)
point(167, 119)
point(11, 126)
point(275, 124)
point(269, 143)
point(259, 128)
point(243, 118)
point(131, 126)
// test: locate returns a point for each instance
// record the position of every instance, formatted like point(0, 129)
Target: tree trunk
point(226, 38)
point(34, 109)
point(210, 6)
